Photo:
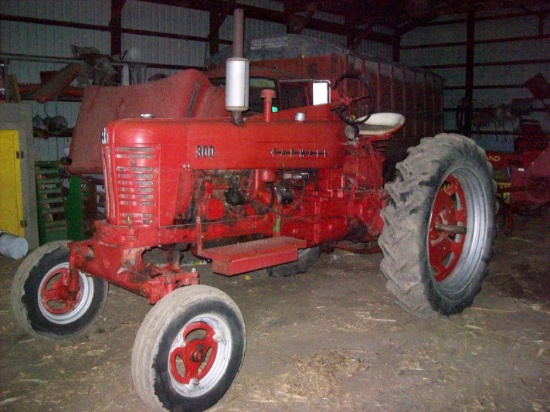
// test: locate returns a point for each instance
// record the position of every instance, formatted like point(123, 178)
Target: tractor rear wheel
point(439, 226)
point(188, 350)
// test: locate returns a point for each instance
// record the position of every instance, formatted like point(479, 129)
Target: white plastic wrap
point(236, 84)
point(13, 246)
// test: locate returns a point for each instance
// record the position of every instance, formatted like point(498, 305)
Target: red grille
point(134, 176)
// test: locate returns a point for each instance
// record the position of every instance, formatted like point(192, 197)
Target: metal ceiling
point(401, 16)
point(378, 20)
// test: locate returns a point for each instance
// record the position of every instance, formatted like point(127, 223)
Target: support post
point(396, 49)
point(115, 26)
point(218, 15)
point(469, 86)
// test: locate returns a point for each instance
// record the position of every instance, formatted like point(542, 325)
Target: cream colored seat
point(378, 124)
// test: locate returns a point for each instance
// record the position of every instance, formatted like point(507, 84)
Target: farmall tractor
point(258, 191)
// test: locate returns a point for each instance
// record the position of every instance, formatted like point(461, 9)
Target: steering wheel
point(354, 110)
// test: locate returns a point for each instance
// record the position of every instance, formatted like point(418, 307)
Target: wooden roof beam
point(296, 23)
point(274, 16)
point(439, 9)
point(217, 17)
point(115, 26)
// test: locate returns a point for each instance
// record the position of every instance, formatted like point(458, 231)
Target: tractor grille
point(134, 173)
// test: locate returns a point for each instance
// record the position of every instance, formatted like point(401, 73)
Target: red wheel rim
point(193, 360)
point(56, 294)
point(447, 228)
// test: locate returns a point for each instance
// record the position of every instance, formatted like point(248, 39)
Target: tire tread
point(403, 248)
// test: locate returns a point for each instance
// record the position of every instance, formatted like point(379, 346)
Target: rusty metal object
point(415, 93)
point(523, 176)
point(186, 94)
point(53, 87)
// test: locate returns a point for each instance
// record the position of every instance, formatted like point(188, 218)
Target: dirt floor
point(331, 339)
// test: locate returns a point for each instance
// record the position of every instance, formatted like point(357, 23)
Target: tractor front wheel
point(45, 300)
point(188, 350)
point(439, 226)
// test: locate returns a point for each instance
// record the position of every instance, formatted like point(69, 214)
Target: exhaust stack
point(238, 33)
point(237, 73)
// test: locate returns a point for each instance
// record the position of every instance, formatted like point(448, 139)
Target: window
point(291, 94)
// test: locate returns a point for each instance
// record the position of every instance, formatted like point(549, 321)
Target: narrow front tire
point(188, 350)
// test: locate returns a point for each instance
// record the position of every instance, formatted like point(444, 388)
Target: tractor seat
point(378, 124)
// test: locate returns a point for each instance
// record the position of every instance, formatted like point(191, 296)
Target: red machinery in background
point(523, 176)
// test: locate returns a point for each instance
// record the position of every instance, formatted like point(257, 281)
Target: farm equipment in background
point(266, 191)
point(523, 176)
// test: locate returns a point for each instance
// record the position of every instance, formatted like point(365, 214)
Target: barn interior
point(332, 338)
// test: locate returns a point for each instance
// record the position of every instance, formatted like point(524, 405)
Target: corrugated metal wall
point(164, 19)
point(54, 41)
point(81, 11)
point(30, 38)
point(507, 52)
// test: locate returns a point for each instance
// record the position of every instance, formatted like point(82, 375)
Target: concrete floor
point(331, 339)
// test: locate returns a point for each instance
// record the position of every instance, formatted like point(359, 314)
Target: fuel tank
point(283, 143)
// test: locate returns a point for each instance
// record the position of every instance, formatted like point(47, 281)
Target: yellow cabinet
point(11, 199)
point(18, 214)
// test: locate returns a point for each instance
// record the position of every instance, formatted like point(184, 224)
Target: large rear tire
point(42, 299)
point(188, 350)
point(439, 226)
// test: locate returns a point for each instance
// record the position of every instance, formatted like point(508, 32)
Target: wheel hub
point(57, 293)
point(193, 358)
point(447, 228)
point(200, 354)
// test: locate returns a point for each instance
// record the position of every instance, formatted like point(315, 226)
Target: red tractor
point(269, 191)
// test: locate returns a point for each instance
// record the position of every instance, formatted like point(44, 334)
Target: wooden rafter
point(296, 23)
point(217, 17)
point(115, 26)
point(382, 21)
point(274, 16)
point(431, 12)
point(357, 35)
